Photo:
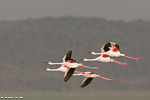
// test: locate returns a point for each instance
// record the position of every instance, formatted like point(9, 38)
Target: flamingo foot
point(106, 78)
point(111, 80)
point(88, 67)
point(94, 67)
point(131, 57)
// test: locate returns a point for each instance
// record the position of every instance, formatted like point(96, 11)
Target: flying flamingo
point(111, 49)
point(104, 58)
point(89, 77)
point(71, 65)
point(64, 69)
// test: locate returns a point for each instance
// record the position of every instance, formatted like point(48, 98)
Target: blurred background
point(34, 31)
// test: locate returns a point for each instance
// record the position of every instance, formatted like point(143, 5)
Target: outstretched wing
point(64, 58)
point(68, 74)
point(68, 55)
point(86, 81)
point(117, 46)
point(107, 46)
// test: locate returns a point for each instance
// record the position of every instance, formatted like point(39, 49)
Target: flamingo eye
point(115, 50)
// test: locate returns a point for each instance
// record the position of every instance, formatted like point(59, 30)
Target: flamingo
point(64, 69)
point(89, 77)
point(104, 58)
point(71, 65)
point(111, 49)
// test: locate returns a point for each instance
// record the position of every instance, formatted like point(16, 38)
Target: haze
point(109, 9)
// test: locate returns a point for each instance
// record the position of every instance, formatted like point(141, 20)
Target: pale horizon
point(110, 9)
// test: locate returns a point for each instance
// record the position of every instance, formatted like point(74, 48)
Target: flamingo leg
point(124, 64)
point(88, 67)
point(106, 78)
point(78, 72)
point(131, 57)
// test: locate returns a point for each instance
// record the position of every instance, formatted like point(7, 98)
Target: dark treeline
point(26, 44)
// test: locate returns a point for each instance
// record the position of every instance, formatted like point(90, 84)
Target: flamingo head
point(83, 59)
point(46, 61)
point(45, 68)
point(91, 52)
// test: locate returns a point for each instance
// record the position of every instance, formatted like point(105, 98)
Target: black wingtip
point(69, 74)
point(86, 82)
point(65, 80)
point(82, 86)
point(68, 55)
point(70, 50)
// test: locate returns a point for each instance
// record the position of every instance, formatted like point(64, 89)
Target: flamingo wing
point(117, 46)
point(68, 55)
point(107, 47)
point(64, 58)
point(86, 81)
point(68, 74)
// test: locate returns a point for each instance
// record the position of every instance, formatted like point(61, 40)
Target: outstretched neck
point(48, 69)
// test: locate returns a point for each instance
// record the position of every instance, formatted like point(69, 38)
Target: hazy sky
point(110, 9)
